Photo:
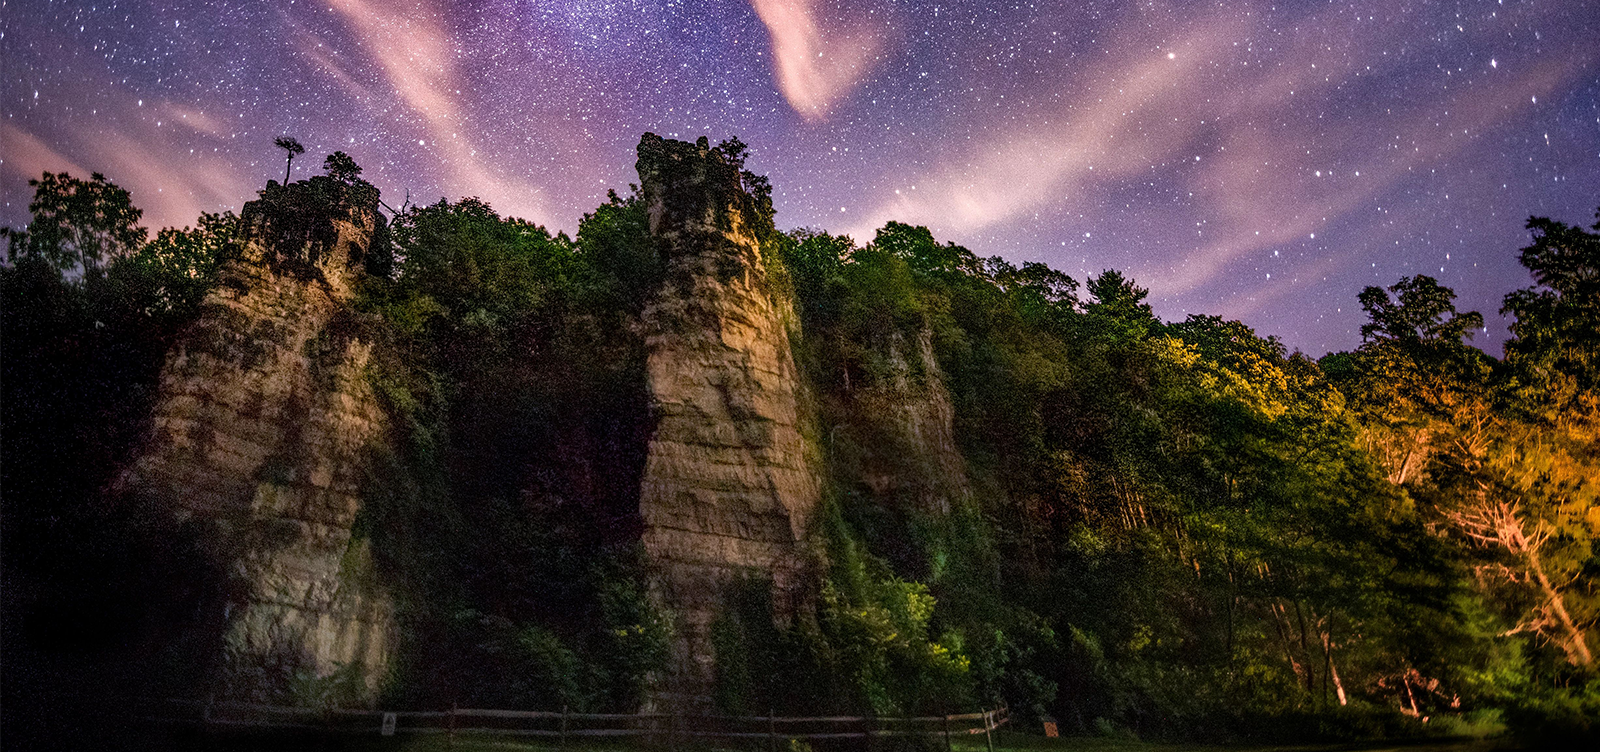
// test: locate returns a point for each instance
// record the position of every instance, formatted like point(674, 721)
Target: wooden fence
point(662, 728)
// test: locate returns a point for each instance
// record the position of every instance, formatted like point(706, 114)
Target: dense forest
point(1166, 529)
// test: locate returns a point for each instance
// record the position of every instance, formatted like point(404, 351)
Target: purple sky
point(1261, 161)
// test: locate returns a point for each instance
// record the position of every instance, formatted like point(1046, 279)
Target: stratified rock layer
point(904, 426)
point(729, 484)
point(260, 431)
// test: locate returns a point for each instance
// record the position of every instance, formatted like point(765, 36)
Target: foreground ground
point(1003, 742)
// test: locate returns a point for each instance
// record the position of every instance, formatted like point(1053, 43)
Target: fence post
point(563, 725)
point(988, 724)
point(772, 732)
point(947, 733)
point(452, 725)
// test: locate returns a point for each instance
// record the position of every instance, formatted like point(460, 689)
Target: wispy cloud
point(1245, 133)
point(413, 48)
point(171, 187)
point(817, 64)
point(27, 157)
point(1256, 210)
point(1125, 120)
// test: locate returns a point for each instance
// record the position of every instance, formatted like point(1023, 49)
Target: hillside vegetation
point(1171, 530)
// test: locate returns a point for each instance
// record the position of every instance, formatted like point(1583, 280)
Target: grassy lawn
point(1014, 742)
point(1003, 742)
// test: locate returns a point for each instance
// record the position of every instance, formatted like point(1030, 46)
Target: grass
point(1003, 742)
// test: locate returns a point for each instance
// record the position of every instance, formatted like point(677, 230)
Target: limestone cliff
point(902, 430)
point(260, 428)
point(729, 484)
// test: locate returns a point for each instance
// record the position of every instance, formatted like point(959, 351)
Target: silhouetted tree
point(341, 167)
point(82, 223)
point(294, 149)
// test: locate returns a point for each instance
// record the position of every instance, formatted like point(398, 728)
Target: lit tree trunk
point(1402, 453)
point(1280, 620)
point(1496, 523)
point(1305, 649)
point(1233, 600)
point(1332, 670)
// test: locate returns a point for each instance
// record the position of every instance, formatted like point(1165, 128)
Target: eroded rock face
point(730, 483)
point(260, 432)
point(911, 455)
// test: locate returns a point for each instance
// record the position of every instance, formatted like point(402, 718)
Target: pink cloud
point(816, 64)
point(418, 59)
point(1230, 127)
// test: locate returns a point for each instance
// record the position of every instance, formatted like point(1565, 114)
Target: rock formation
point(904, 428)
point(730, 483)
point(260, 429)
point(265, 420)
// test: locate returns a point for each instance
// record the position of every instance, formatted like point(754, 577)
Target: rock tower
point(260, 432)
point(730, 483)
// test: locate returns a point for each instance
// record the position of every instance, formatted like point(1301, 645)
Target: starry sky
point(1257, 160)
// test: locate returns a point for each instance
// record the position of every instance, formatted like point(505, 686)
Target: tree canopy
point(1169, 529)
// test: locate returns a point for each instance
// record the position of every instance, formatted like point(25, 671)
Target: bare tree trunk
point(1332, 671)
point(1305, 648)
point(1496, 523)
point(1280, 620)
point(1576, 643)
point(1413, 712)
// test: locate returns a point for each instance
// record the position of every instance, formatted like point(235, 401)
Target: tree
point(294, 149)
point(1421, 313)
point(1544, 476)
point(1430, 413)
point(78, 224)
point(169, 277)
point(1118, 311)
point(1415, 378)
point(1554, 351)
point(341, 167)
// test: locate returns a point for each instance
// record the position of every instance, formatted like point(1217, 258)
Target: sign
point(388, 725)
point(1050, 730)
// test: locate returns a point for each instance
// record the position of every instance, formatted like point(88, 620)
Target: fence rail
point(565, 725)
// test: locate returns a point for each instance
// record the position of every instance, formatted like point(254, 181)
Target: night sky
point(1261, 161)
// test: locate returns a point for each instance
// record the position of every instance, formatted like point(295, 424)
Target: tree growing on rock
point(294, 149)
point(342, 167)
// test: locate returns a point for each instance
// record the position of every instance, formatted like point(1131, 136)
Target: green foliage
point(615, 238)
point(340, 688)
point(296, 220)
point(78, 226)
point(169, 277)
point(638, 637)
point(342, 168)
point(1188, 502)
point(1149, 529)
point(89, 310)
point(878, 630)
point(518, 390)
point(113, 595)
point(1499, 460)
point(1554, 352)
